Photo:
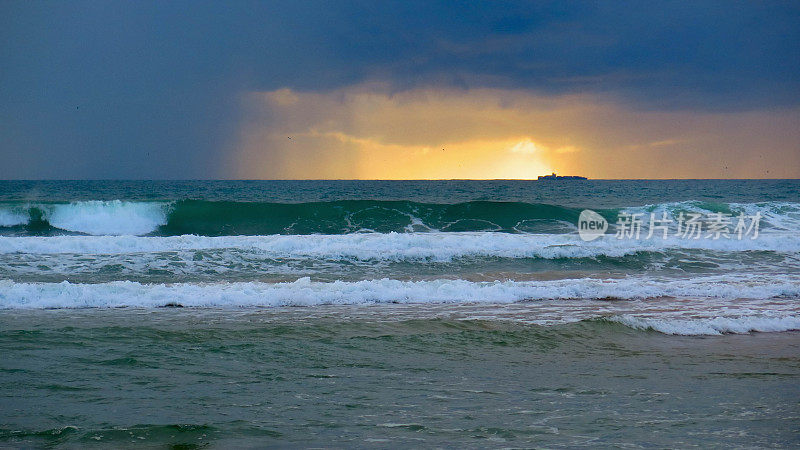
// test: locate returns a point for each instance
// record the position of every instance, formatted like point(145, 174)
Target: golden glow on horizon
point(368, 132)
point(477, 159)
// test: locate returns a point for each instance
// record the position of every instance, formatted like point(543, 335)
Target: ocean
point(222, 314)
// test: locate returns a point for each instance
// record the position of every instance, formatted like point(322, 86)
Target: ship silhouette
point(553, 176)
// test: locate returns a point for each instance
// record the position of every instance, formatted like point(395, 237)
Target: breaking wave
point(220, 218)
point(305, 292)
point(95, 217)
point(711, 326)
point(433, 246)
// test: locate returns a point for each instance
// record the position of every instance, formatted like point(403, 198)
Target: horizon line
point(397, 179)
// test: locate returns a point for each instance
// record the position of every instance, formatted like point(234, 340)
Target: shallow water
point(383, 376)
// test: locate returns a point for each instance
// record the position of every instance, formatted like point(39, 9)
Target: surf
point(708, 292)
point(432, 246)
point(230, 218)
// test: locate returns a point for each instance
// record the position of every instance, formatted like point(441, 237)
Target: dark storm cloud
point(151, 89)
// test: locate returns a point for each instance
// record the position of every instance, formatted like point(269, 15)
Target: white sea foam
point(304, 292)
point(113, 217)
point(712, 325)
point(782, 216)
point(13, 217)
point(779, 215)
point(394, 246)
point(671, 209)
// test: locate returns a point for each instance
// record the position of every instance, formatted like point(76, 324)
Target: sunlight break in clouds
point(371, 132)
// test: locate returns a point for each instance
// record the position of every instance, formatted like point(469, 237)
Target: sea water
point(385, 313)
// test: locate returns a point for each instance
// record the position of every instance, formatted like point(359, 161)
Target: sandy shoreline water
point(248, 378)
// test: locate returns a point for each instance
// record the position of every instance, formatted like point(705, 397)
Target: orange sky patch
point(369, 132)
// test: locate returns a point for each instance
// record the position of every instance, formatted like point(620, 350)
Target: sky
point(399, 90)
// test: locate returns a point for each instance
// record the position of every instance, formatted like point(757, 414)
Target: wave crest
point(432, 246)
point(711, 326)
point(221, 218)
point(304, 292)
point(114, 217)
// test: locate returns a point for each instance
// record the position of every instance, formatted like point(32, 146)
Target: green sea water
point(375, 314)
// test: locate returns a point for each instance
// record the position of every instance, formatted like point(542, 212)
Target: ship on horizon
point(553, 176)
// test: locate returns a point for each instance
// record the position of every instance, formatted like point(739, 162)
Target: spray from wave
point(108, 217)
point(94, 217)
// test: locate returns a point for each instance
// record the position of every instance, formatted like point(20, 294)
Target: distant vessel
point(557, 177)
